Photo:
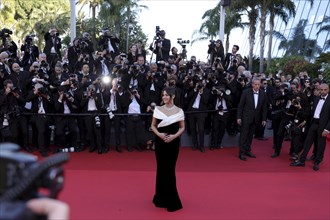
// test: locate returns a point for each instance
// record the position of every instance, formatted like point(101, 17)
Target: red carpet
point(213, 185)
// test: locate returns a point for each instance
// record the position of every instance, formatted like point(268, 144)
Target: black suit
point(197, 120)
point(31, 53)
point(164, 52)
point(103, 44)
point(62, 122)
point(40, 121)
point(316, 129)
point(52, 41)
point(250, 116)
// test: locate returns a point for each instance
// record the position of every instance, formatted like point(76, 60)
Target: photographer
point(41, 103)
point(162, 46)
point(4, 58)
point(53, 46)
point(19, 78)
point(140, 49)
point(8, 44)
point(84, 59)
point(57, 78)
point(12, 123)
point(216, 51)
point(154, 85)
point(30, 52)
point(108, 43)
point(230, 60)
point(292, 98)
point(198, 100)
point(135, 131)
point(221, 101)
point(114, 103)
point(102, 64)
point(91, 103)
point(65, 103)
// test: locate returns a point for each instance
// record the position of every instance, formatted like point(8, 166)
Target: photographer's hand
point(302, 124)
point(52, 208)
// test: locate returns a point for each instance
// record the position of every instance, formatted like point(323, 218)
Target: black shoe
point(316, 167)
point(297, 164)
point(138, 148)
point(262, 139)
point(106, 150)
point(202, 149)
point(242, 157)
point(92, 149)
point(249, 154)
point(99, 151)
point(274, 155)
point(130, 149)
point(212, 148)
point(118, 149)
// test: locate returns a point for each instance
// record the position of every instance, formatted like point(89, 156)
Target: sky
point(179, 18)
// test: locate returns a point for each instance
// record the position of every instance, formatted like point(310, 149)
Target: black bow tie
point(322, 98)
point(255, 93)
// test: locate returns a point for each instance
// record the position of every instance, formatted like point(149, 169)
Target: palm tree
point(325, 27)
point(93, 4)
point(298, 44)
point(283, 9)
point(210, 27)
point(250, 8)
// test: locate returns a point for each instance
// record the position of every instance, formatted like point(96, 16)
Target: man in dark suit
point(41, 104)
point(198, 100)
point(230, 58)
point(108, 43)
point(252, 110)
point(52, 46)
point(163, 47)
point(320, 127)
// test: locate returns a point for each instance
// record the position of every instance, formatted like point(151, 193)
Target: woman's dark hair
point(169, 90)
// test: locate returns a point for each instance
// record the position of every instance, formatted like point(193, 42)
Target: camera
point(44, 64)
point(183, 42)
point(111, 115)
point(14, 89)
point(289, 125)
point(5, 33)
point(212, 44)
point(42, 90)
point(22, 175)
point(199, 86)
point(295, 102)
point(97, 121)
point(132, 89)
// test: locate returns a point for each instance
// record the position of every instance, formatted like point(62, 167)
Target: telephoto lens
point(97, 121)
point(111, 115)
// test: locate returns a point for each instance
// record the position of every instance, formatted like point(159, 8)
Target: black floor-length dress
point(166, 195)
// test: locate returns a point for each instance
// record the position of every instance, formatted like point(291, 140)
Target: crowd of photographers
point(76, 98)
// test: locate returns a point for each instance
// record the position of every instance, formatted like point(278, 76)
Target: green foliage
point(324, 61)
point(293, 65)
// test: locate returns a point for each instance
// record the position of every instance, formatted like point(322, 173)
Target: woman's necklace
point(169, 108)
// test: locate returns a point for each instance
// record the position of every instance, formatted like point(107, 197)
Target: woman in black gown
point(168, 125)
